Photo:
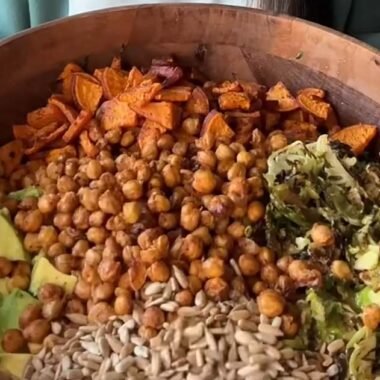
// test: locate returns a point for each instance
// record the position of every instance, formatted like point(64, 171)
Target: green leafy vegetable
point(28, 192)
point(366, 297)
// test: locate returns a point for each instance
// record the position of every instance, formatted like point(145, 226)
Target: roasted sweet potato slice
point(312, 91)
point(198, 102)
point(43, 140)
point(113, 82)
point(66, 78)
point(11, 155)
point(252, 89)
point(116, 114)
point(164, 113)
point(314, 105)
point(357, 136)
point(135, 77)
point(147, 139)
point(300, 130)
point(214, 129)
point(89, 148)
point(141, 94)
point(174, 94)
point(285, 101)
point(23, 132)
point(78, 126)
point(98, 74)
point(234, 101)
point(68, 151)
point(227, 86)
point(69, 112)
point(87, 92)
point(43, 116)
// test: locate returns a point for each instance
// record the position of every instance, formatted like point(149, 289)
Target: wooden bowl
point(224, 42)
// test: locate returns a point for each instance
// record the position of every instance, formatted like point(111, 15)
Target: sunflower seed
point(243, 337)
point(154, 288)
point(114, 343)
point(170, 306)
point(335, 346)
point(91, 347)
point(269, 330)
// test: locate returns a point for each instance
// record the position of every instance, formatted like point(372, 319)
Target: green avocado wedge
point(11, 246)
point(14, 364)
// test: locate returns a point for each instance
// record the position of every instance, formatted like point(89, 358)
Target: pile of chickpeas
point(127, 216)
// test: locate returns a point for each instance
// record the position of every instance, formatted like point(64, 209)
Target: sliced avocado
point(14, 364)
point(12, 306)
point(10, 244)
point(43, 273)
point(4, 289)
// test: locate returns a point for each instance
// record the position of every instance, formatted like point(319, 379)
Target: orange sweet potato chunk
point(312, 91)
point(66, 77)
point(285, 101)
point(299, 130)
point(357, 136)
point(164, 113)
point(69, 112)
point(87, 92)
point(234, 101)
point(89, 148)
point(141, 94)
point(43, 116)
point(11, 155)
point(113, 82)
point(174, 94)
point(135, 77)
point(116, 114)
point(67, 151)
point(23, 132)
point(314, 105)
point(198, 102)
point(76, 128)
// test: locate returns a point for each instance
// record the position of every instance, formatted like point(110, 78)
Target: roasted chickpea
point(153, 317)
point(180, 148)
point(224, 152)
point(270, 303)
point(147, 333)
point(204, 181)
point(184, 298)
point(64, 263)
point(89, 198)
point(191, 125)
point(90, 274)
point(223, 240)
point(168, 220)
point(100, 312)
point(48, 292)
point(236, 230)
point(190, 217)
point(245, 158)
point(256, 211)
point(258, 138)
point(21, 268)
point(132, 212)
point(123, 304)
point(238, 190)
point(290, 325)
point(74, 306)
point(258, 287)
point(192, 247)
point(82, 289)
point(68, 203)
point(97, 235)
point(127, 139)
point(236, 170)
point(284, 262)
point(56, 249)
point(220, 206)
point(322, 235)
point(203, 233)
point(19, 282)
point(213, 267)
point(248, 264)
point(103, 291)
point(165, 141)
point(284, 285)
point(159, 272)
point(66, 184)
point(94, 169)
point(71, 167)
point(195, 284)
point(29, 221)
point(61, 221)
point(96, 219)
point(5, 267)
point(275, 141)
point(217, 289)
point(269, 274)
point(80, 248)
point(31, 313)
point(341, 270)
point(109, 270)
point(207, 219)
point(158, 203)
point(171, 175)
point(13, 341)
point(110, 203)
point(107, 161)
point(220, 252)
point(144, 172)
point(304, 273)
point(52, 309)
point(371, 317)
point(54, 170)
point(69, 236)
point(47, 237)
point(207, 159)
point(47, 203)
point(266, 256)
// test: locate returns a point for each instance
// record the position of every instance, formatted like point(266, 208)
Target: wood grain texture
point(239, 42)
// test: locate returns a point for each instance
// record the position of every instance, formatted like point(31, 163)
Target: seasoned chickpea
point(109, 270)
point(56, 249)
point(168, 220)
point(304, 274)
point(90, 274)
point(48, 292)
point(93, 256)
point(29, 221)
point(256, 211)
point(217, 289)
point(220, 252)
point(147, 333)
point(236, 170)
point(21, 268)
point(195, 284)
point(133, 190)
point(190, 217)
point(47, 237)
point(238, 286)
point(103, 291)
point(127, 139)
point(290, 325)
point(276, 140)
point(89, 198)
point(100, 312)
point(123, 304)
point(159, 272)
point(269, 274)
point(213, 267)
point(207, 159)
point(69, 236)
point(284, 262)
point(322, 235)
point(54, 170)
point(371, 317)
point(203, 233)
point(184, 298)
point(238, 190)
point(47, 203)
point(158, 203)
point(61, 221)
point(81, 218)
point(224, 166)
point(258, 138)
point(223, 240)
point(204, 181)
point(245, 158)
point(196, 269)
point(19, 282)
point(82, 289)
point(191, 125)
point(52, 309)
point(207, 219)
point(68, 203)
point(236, 230)
point(30, 313)
point(64, 263)
point(74, 306)
point(258, 287)
point(5, 267)
point(110, 203)
point(96, 218)
point(97, 235)
point(71, 167)
point(80, 248)
point(271, 303)
point(220, 206)
point(192, 247)
point(248, 264)
point(341, 270)
point(166, 141)
point(66, 184)
point(284, 285)
point(94, 169)
point(13, 341)
point(132, 212)
point(171, 175)
point(224, 152)
point(153, 317)
point(266, 256)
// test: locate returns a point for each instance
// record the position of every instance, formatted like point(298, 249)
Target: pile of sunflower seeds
point(219, 341)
